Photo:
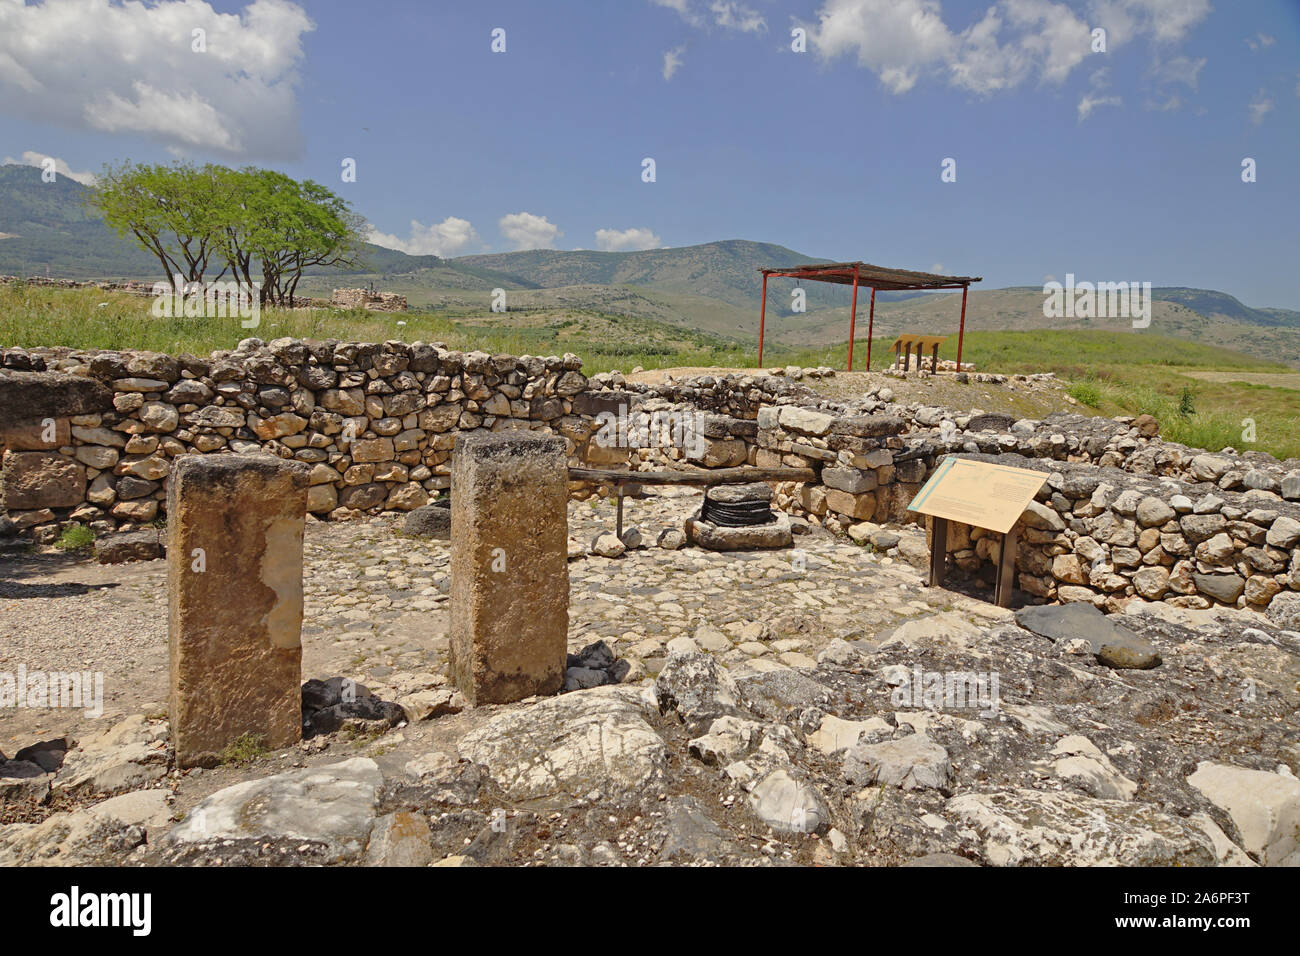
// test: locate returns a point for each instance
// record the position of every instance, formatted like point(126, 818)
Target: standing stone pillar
point(509, 565)
point(234, 579)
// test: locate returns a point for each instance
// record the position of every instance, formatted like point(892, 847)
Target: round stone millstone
point(736, 494)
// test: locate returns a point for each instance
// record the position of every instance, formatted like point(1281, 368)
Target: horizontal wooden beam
point(704, 478)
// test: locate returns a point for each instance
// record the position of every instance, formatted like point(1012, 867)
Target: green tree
point(288, 226)
point(266, 227)
point(171, 211)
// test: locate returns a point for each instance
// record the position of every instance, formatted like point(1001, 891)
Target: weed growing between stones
point(76, 537)
point(245, 749)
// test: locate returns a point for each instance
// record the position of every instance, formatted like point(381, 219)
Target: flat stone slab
point(1264, 806)
point(334, 805)
point(129, 546)
point(568, 747)
point(27, 397)
point(1032, 828)
point(734, 494)
point(1113, 645)
point(705, 534)
point(914, 762)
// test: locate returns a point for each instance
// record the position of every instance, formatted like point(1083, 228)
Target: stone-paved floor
point(375, 607)
point(376, 600)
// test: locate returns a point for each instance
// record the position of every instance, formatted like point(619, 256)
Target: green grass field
point(1107, 373)
point(1125, 373)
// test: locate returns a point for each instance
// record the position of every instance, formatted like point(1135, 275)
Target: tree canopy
point(263, 227)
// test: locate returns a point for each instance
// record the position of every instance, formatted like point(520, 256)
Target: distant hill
point(47, 229)
point(711, 289)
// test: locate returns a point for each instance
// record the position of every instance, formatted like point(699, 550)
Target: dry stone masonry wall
point(1123, 515)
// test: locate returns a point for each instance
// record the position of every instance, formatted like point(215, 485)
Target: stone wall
point(365, 299)
point(375, 421)
point(1102, 536)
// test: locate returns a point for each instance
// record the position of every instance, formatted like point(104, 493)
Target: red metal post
point(871, 324)
point(961, 332)
point(762, 319)
point(853, 317)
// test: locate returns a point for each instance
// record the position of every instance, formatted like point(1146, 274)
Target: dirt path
point(1271, 379)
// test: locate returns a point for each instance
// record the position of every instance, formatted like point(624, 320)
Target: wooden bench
point(705, 478)
point(904, 344)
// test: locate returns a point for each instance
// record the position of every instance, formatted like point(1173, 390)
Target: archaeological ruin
point(489, 609)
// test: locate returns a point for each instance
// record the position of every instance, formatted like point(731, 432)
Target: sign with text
point(978, 493)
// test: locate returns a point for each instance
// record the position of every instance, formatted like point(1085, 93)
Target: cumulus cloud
point(133, 68)
point(1260, 41)
point(1259, 107)
point(626, 240)
point(673, 61)
point(1014, 42)
point(446, 238)
point(32, 158)
point(526, 231)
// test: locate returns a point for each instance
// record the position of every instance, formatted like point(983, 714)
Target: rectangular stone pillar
point(509, 565)
point(234, 580)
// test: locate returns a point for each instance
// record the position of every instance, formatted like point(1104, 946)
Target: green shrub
point(1085, 392)
point(244, 749)
point(75, 537)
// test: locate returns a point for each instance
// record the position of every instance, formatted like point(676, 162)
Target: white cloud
point(893, 39)
point(1095, 96)
point(446, 238)
point(527, 231)
point(626, 240)
point(683, 8)
point(32, 158)
point(728, 14)
point(1260, 41)
point(1089, 102)
point(732, 15)
point(131, 68)
point(1167, 21)
point(1165, 75)
point(1259, 107)
point(1015, 41)
point(673, 61)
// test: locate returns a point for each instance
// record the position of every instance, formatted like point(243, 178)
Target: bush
point(244, 749)
point(76, 537)
point(1085, 393)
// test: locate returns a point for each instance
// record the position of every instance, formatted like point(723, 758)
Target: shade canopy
point(874, 277)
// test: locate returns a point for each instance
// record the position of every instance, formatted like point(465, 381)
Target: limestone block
point(235, 526)
point(37, 479)
point(509, 565)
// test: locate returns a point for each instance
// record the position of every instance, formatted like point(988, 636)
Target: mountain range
point(46, 229)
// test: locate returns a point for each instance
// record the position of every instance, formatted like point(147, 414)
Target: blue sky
point(1117, 165)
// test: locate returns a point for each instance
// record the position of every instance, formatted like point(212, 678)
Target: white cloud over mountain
point(527, 231)
point(32, 158)
point(626, 240)
point(450, 237)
